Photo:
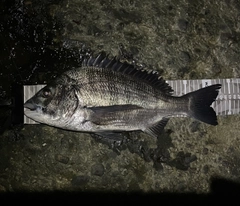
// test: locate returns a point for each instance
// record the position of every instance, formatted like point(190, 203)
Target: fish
point(106, 96)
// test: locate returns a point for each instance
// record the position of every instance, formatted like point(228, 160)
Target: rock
point(80, 180)
point(182, 24)
point(61, 158)
point(97, 169)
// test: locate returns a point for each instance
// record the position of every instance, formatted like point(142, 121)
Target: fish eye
point(46, 93)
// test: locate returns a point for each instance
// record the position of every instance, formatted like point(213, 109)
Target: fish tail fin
point(200, 104)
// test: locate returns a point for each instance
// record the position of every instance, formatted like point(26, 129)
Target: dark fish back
point(105, 82)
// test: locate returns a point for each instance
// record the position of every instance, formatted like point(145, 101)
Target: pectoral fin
point(156, 129)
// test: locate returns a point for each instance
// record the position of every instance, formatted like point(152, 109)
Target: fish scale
point(122, 91)
point(125, 94)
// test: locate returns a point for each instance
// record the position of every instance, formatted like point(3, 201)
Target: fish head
point(42, 106)
point(53, 105)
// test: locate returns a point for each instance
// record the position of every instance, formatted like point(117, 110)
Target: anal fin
point(156, 129)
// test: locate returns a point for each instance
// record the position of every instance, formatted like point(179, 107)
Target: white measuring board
point(227, 102)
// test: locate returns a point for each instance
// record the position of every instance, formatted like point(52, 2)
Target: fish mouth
point(38, 113)
point(32, 110)
point(30, 105)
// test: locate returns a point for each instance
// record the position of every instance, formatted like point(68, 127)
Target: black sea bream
point(106, 96)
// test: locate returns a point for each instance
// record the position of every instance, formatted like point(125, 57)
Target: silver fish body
point(106, 95)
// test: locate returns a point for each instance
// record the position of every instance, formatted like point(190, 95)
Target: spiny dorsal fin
point(151, 77)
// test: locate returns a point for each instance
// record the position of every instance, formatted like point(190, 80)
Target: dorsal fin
point(151, 77)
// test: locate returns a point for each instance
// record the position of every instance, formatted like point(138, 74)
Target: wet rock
point(157, 166)
point(182, 161)
point(147, 154)
point(126, 16)
point(194, 126)
point(61, 158)
point(112, 154)
point(205, 151)
point(161, 155)
point(14, 136)
point(97, 169)
point(182, 71)
point(2, 188)
point(182, 24)
point(80, 180)
point(205, 169)
point(185, 57)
